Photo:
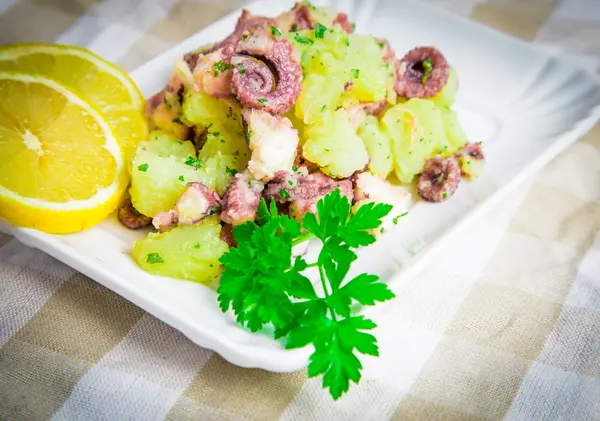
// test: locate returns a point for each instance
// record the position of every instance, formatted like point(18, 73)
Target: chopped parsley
point(319, 30)
point(242, 68)
point(395, 220)
point(180, 178)
point(197, 245)
point(323, 107)
point(355, 73)
point(263, 101)
point(290, 182)
point(303, 40)
point(230, 171)
point(143, 167)
point(276, 32)
point(219, 67)
point(294, 168)
point(213, 210)
point(427, 67)
point(153, 258)
point(284, 194)
point(381, 44)
point(421, 139)
point(216, 133)
point(193, 162)
point(177, 120)
point(444, 195)
point(250, 134)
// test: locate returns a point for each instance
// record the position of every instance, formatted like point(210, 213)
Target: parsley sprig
point(263, 285)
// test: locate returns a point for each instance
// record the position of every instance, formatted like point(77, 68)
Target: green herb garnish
point(395, 220)
point(242, 69)
point(265, 286)
point(319, 30)
point(263, 101)
point(294, 168)
point(444, 195)
point(230, 171)
point(177, 120)
point(180, 178)
point(303, 40)
point(355, 73)
point(153, 258)
point(250, 134)
point(193, 162)
point(283, 193)
point(427, 67)
point(276, 32)
point(219, 67)
point(143, 167)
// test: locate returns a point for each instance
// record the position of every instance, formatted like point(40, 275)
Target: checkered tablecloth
point(506, 324)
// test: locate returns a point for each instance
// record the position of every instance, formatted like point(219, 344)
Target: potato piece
point(189, 252)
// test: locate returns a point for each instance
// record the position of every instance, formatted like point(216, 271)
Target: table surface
point(505, 325)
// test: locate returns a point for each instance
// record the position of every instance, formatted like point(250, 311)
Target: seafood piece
point(196, 203)
point(371, 188)
point(469, 159)
point(241, 199)
point(273, 142)
point(342, 20)
point(304, 191)
point(439, 180)
point(226, 235)
point(131, 218)
point(212, 74)
point(267, 74)
point(421, 73)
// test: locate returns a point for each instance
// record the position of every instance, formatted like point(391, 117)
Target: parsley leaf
point(230, 171)
point(320, 30)
point(219, 67)
point(355, 73)
point(263, 285)
point(427, 68)
point(303, 40)
point(276, 32)
point(153, 258)
point(144, 167)
point(193, 162)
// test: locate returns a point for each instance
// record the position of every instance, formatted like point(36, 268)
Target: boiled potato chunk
point(188, 252)
point(159, 172)
point(417, 133)
point(454, 131)
point(378, 145)
point(366, 69)
point(334, 146)
point(319, 94)
point(448, 94)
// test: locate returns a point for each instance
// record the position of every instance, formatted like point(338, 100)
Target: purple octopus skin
point(226, 235)
point(439, 180)
point(246, 22)
point(261, 63)
point(131, 218)
point(304, 191)
point(241, 199)
point(196, 203)
point(302, 18)
point(411, 79)
point(473, 150)
point(342, 20)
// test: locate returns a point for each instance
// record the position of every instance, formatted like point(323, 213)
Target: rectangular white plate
point(526, 105)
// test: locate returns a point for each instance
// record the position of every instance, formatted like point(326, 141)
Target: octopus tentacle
point(131, 218)
point(421, 73)
point(343, 20)
point(267, 74)
point(439, 180)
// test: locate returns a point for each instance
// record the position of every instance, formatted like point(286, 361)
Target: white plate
point(526, 105)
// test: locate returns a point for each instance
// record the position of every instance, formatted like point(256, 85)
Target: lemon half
point(89, 76)
point(61, 167)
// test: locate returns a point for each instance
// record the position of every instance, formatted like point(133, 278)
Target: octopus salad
point(290, 109)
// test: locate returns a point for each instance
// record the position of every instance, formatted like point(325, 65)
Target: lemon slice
point(61, 166)
point(92, 78)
